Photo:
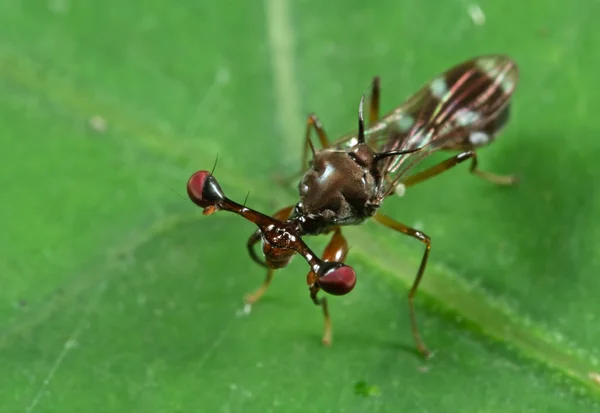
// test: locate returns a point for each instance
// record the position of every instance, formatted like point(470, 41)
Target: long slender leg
point(336, 250)
point(453, 161)
point(492, 177)
point(322, 301)
point(252, 241)
point(253, 297)
point(390, 223)
point(438, 169)
point(256, 295)
point(313, 122)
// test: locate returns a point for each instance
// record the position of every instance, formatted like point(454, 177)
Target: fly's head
point(341, 187)
point(280, 238)
point(278, 243)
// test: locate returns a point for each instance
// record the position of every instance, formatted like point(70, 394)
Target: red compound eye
point(203, 189)
point(338, 281)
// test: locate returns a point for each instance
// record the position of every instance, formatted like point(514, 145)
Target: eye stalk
point(338, 279)
point(281, 239)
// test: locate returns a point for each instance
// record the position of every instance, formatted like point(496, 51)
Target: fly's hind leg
point(492, 177)
point(485, 136)
point(453, 161)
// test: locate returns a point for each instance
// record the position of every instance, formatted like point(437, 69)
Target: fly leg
point(336, 251)
point(390, 223)
point(253, 297)
point(256, 295)
point(492, 177)
point(397, 226)
point(453, 161)
point(312, 122)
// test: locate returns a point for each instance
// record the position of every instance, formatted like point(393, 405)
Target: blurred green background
point(117, 295)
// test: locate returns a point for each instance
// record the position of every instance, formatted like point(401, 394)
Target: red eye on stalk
point(338, 281)
point(204, 190)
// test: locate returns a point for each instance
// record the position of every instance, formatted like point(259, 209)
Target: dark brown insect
point(346, 182)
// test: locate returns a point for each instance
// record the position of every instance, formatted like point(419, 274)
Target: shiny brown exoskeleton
point(346, 182)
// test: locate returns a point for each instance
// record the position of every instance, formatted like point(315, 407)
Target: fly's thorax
point(340, 187)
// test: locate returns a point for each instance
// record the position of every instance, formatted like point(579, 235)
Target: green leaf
point(119, 295)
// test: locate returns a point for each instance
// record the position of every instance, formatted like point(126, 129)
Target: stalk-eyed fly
point(346, 181)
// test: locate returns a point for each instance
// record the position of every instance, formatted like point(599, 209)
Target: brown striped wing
point(463, 108)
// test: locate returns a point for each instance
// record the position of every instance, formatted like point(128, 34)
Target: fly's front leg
point(390, 223)
point(255, 238)
point(253, 297)
point(335, 251)
point(312, 122)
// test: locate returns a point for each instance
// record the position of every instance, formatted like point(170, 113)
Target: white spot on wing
point(405, 123)
point(438, 87)
point(507, 85)
point(479, 138)
point(497, 71)
point(400, 190)
point(488, 64)
point(419, 138)
point(466, 117)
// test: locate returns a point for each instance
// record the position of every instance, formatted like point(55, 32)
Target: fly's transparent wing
point(461, 109)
